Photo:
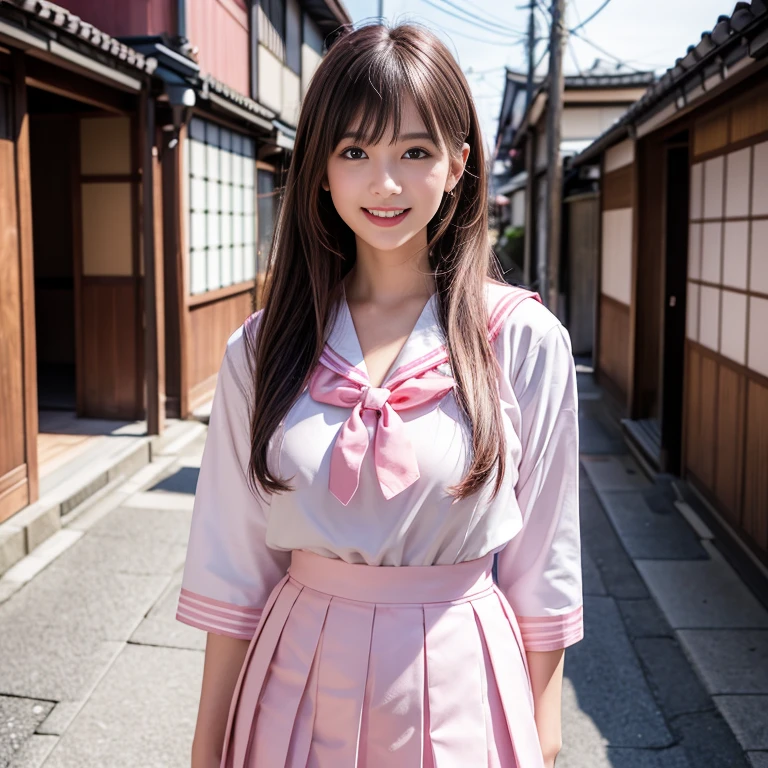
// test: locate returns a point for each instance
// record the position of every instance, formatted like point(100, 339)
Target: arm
point(229, 570)
point(546, 669)
point(224, 658)
point(540, 569)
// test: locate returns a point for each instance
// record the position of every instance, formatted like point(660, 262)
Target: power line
point(604, 52)
point(506, 44)
point(472, 22)
point(572, 6)
point(513, 34)
point(591, 16)
point(572, 51)
point(494, 20)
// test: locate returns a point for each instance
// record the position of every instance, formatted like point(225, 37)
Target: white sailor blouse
point(370, 468)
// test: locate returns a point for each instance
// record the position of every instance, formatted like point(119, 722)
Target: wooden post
point(153, 277)
point(26, 271)
point(550, 285)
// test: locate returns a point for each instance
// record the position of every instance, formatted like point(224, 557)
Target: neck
point(385, 277)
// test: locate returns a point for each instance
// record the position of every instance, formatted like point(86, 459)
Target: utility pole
point(530, 154)
point(381, 9)
point(531, 53)
point(549, 271)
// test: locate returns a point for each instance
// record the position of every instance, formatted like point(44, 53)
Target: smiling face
point(370, 182)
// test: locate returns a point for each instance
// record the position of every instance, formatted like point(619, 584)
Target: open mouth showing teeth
point(387, 214)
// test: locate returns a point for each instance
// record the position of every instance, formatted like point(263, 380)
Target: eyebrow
point(403, 136)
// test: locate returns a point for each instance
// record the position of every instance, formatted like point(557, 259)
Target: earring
point(452, 193)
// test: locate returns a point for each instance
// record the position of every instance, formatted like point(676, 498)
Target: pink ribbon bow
point(393, 453)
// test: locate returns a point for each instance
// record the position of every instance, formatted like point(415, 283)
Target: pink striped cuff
point(216, 616)
point(551, 633)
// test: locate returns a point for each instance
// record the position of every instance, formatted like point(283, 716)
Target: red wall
point(220, 29)
point(128, 17)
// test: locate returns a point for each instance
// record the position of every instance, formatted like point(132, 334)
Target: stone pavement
point(95, 671)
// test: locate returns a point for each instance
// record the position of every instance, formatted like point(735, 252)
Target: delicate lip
point(379, 208)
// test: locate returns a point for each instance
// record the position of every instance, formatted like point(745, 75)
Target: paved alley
point(96, 671)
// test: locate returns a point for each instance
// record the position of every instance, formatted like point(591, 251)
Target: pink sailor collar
point(414, 379)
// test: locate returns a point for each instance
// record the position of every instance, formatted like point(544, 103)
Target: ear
point(457, 168)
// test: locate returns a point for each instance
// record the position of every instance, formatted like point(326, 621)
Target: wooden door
point(110, 370)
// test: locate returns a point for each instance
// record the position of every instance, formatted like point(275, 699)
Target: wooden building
point(75, 237)
point(592, 102)
point(141, 157)
point(232, 74)
point(683, 272)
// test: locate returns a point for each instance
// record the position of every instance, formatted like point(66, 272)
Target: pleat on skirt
point(358, 666)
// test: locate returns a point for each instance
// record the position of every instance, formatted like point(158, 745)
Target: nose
point(383, 183)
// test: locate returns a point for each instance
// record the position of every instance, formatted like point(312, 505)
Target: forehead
point(411, 128)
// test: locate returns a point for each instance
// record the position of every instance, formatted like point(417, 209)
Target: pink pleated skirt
point(357, 666)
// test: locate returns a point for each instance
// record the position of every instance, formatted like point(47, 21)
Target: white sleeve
point(229, 570)
point(539, 571)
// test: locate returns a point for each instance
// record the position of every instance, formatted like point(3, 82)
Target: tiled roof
point(744, 33)
point(223, 90)
point(54, 17)
point(612, 80)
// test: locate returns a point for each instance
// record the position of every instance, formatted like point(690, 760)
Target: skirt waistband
point(391, 584)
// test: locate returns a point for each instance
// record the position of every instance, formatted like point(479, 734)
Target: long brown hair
point(368, 73)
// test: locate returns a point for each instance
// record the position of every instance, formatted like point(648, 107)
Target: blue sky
point(648, 34)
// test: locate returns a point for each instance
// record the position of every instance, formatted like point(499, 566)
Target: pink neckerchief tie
point(336, 382)
point(394, 457)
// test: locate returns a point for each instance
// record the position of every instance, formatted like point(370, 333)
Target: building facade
point(592, 102)
point(143, 149)
point(683, 273)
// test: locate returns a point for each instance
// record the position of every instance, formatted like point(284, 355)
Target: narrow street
point(97, 672)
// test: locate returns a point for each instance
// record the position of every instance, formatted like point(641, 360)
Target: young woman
point(390, 420)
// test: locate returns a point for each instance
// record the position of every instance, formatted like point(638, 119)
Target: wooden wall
point(726, 391)
point(617, 244)
point(583, 245)
point(137, 17)
point(613, 359)
point(726, 439)
point(220, 29)
point(210, 325)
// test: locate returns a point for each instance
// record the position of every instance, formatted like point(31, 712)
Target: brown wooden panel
point(210, 327)
point(618, 188)
point(707, 424)
point(583, 225)
point(731, 411)
point(14, 499)
point(11, 371)
point(710, 133)
point(692, 409)
point(109, 348)
point(749, 115)
point(614, 344)
point(755, 520)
